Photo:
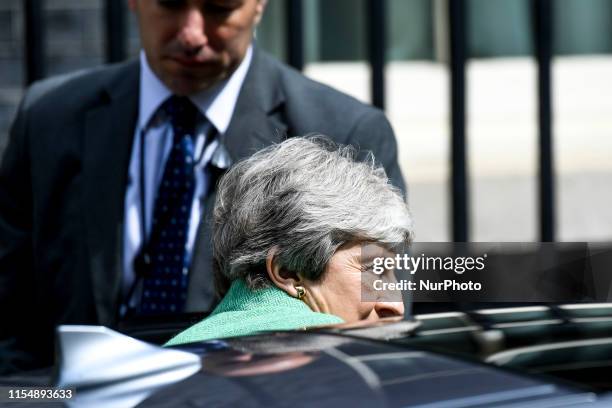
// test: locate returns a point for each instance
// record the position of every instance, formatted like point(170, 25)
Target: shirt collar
point(216, 104)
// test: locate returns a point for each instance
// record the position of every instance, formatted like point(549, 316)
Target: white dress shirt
point(154, 132)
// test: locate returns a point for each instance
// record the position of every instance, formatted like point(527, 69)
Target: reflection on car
point(540, 356)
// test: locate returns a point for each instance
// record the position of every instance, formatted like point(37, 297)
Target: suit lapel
point(254, 125)
point(109, 130)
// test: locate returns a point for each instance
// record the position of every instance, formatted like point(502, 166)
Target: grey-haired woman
point(289, 225)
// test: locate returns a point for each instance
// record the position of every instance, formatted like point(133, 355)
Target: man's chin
point(190, 86)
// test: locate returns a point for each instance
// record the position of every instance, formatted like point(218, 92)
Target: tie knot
point(183, 114)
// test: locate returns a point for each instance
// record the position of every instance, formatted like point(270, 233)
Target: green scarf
point(244, 311)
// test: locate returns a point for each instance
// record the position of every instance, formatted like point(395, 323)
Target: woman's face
point(338, 292)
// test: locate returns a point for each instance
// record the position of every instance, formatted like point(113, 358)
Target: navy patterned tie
point(164, 262)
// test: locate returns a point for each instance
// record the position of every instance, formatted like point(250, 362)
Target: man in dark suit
point(83, 218)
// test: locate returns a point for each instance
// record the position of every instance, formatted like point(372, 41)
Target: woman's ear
point(281, 278)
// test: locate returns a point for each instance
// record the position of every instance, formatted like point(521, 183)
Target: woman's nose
point(389, 309)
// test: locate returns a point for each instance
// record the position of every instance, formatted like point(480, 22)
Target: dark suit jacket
point(64, 175)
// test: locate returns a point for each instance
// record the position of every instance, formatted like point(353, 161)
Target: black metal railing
point(459, 172)
point(116, 40)
point(295, 34)
point(543, 35)
point(34, 52)
point(377, 45)
point(115, 26)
